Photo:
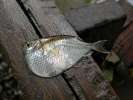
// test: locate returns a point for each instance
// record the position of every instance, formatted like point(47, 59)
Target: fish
point(51, 56)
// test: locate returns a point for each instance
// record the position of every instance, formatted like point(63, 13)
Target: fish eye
point(28, 44)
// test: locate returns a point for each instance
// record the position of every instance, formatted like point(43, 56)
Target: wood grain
point(123, 45)
point(13, 25)
point(53, 22)
point(128, 9)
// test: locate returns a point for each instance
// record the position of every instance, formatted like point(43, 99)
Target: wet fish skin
point(51, 56)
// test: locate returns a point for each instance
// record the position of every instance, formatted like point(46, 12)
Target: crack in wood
point(35, 24)
point(13, 24)
point(48, 16)
point(30, 17)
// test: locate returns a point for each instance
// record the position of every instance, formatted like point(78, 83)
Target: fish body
point(51, 56)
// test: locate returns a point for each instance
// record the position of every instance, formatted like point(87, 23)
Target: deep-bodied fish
point(51, 56)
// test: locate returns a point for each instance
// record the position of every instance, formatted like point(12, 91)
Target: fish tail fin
point(99, 47)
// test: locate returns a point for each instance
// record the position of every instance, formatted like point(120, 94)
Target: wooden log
point(12, 27)
point(49, 19)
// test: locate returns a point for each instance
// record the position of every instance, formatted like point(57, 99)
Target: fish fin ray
point(99, 47)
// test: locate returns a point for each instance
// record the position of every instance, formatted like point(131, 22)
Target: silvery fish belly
point(51, 56)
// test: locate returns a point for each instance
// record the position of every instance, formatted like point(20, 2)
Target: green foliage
point(67, 4)
point(108, 74)
point(88, 1)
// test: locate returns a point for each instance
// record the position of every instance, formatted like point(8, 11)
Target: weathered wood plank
point(123, 45)
point(13, 25)
point(128, 10)
point(47, 15)
point(66, 5)
point(94, 22)
point(49, 18)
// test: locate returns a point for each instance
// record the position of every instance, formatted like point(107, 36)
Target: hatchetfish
point(51, 56)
